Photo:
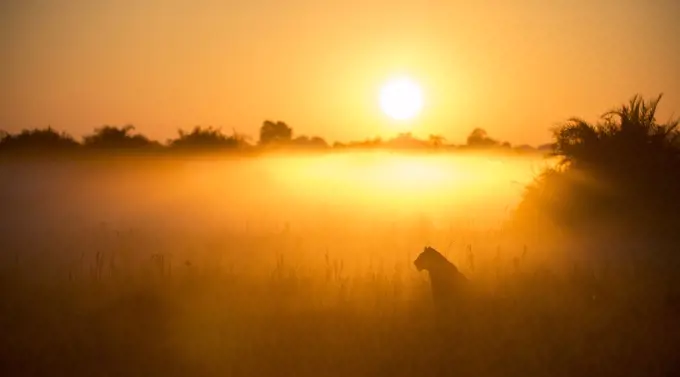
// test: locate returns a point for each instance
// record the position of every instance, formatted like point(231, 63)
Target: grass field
point(167, 273)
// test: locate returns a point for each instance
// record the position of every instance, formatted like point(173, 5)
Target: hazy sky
point(512, 67)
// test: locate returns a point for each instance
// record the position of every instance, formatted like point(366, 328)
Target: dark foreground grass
point(153, 316)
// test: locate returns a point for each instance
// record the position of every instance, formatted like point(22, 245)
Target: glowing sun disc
point(401, 99)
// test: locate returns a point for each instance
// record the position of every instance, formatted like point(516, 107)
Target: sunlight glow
point(390, 182)
point(401, 99)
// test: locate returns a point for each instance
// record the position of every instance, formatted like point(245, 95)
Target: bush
point(623, 171)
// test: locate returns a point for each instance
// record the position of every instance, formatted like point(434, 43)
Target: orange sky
point(512, 67)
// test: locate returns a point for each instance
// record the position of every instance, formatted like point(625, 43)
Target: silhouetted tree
point(632, 129)
point(307, 142)
point(479, 138)
point(112, 137)
point(207, 138)
point(278, 132)
point(319, 141)
point(38, 139)
point(406, 140)
point(623, 169)
point(301, 140)
point(437, 140)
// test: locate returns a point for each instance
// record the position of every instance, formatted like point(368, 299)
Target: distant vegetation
point(109, 138)
point(272, 136)
point(45, 139)
point(207, 138)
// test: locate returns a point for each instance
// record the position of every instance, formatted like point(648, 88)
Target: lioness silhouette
point(448, 284)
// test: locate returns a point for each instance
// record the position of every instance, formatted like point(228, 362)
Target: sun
point(401, 99)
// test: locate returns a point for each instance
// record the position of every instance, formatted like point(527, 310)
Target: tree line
point(272, 135)
point(623, 169)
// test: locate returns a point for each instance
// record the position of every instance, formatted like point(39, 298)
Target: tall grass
point(299, 302)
